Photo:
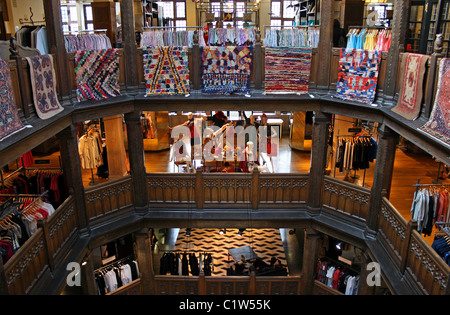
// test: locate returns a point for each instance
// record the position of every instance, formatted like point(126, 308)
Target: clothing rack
point(81, 32)
point(114, 263)
point(16, 199)
point(149, 28)
point(418, 185)
point(291, 26)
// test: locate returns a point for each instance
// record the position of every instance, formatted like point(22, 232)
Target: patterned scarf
point(166, 70)
point(43, 83)
point(10, 122)
point(97, 74)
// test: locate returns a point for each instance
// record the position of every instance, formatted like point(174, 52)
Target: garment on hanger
point(441, 244)
point(87, 42)
point(337, 276)
point(116, 275)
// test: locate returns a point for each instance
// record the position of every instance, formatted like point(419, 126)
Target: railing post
point(320, 134)
point(384, 167)
point(129, 45)
point(201, 283)
point(48, 243)
point(412, 225)
point(199, 190)
point(20, 75)
point(196, 62)
point(71, 166)
point(429, 96)
point(137, 163)
point(252, 283)
point(310, 253)
point(255, 189)
point(257, 61)
point(399, 30)
point(145, 261)
point(3, 281)
point(325, 44)
point(52, 9)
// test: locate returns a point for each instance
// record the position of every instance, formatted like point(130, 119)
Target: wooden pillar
point(3, 281)
point(71, 165)
point(325, 43)
point(310, 251)
point(429, 96)
point(398, 39)
point(320, 133)
point(145, 261)
point(199, 189)
point(57, 48)
point(129, 45)
point(196, 60)
point(137, 161)
point(387, 140)
point(298, 131)
point(257, 61)
point(88, 285)
point(115, 146)
point(255, 189)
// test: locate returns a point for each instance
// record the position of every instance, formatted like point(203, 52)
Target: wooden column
point(398, 39)
point(363, 287)
point(387, 140)
point(52, 9)
point(434, 68)
point(129, 45)
point(115, 146)
point(298, 131)
point(257, 61)
point(71, 165)
point(3, 280)
point(310, 251)
point(136, 158)
point(325, 43)
point(88, 285)
point(320, 133)
point(196, 63)
point(145, 261)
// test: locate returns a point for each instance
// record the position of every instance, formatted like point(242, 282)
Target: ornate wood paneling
point(346, 198)
point(286, 189)
point(27, 265)
point(171, 188)
point(426, 266)
point(107, 198)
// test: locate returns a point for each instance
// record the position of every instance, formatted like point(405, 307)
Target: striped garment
point(287, 70)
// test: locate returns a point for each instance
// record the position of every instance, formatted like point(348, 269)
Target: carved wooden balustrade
point(43, 252)
point(223, 285)
point(411, 253)
point(227, 190)
point(346, 198)
point(114, 197)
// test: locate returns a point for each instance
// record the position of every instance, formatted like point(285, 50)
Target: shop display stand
point(93, 181)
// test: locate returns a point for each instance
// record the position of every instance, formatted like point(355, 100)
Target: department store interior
point(94, 156)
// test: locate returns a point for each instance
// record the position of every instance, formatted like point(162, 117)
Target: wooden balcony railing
point(44, 252)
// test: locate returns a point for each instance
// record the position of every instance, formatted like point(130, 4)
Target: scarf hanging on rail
point(438, 125)
point(296, 37)
point(155, 38)
point(43, 83)
point(10, 122)
point(430, 204)
point(287, 70)
point(369, 39)
point(87, 42)
point(226, 70)
point(358, 75)
point(97, 74)
point(411, 89)
point(166, 70)
point(231, 36)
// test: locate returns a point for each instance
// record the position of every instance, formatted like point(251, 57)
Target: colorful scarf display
point(43, 83)
point(287, 70)
point(9, 119)
point(411, 89)
point(358, 74)
point(97, 74)
point(226, 70)
point(166, 70)
point(438, 125)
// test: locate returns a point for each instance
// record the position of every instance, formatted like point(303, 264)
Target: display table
point(245, 251)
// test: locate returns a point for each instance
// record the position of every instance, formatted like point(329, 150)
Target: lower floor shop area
point(230, 251)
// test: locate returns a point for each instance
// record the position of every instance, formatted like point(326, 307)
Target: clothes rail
point(147, 28)
point(114, 263)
